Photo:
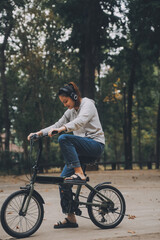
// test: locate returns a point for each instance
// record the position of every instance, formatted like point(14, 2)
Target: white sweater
point(83, 122)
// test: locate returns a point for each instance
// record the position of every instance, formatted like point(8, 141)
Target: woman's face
point(67, 102)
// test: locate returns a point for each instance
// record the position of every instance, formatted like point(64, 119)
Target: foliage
point(53, 42)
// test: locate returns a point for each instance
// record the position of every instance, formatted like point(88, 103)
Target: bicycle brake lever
point(34, 137)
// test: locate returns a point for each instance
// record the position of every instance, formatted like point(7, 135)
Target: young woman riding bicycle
point(87, 140)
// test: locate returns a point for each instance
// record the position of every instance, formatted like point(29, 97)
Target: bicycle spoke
point(105, 215)
point(17, 222)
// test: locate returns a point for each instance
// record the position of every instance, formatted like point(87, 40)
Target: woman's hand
point(31, 134)
point(58, 130)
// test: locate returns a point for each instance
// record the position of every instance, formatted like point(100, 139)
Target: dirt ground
point(140, 188)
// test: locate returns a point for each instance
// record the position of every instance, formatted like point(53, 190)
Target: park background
point(110, 48)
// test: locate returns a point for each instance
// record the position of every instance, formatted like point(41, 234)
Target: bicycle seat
point(84, 160)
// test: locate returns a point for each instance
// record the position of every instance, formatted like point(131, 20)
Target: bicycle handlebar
point(36, 137)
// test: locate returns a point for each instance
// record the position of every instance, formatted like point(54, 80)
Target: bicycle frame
point(30, 187)
point(59, 180)
point(101, 196)
point(19, 220)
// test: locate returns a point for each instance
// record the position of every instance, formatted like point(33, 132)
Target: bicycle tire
point(111, 213)
point(17, 225)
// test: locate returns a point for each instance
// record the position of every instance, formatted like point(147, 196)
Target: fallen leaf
point(10, 213)
point(131, 217)
point(1, 190)
point(130, 231)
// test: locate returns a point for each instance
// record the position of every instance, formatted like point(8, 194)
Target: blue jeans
point(72, 148)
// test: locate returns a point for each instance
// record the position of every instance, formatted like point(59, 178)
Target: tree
point(136, 47)
point(7, 24)
point(90, 23)
point(151, 20)
point(149, 38)
point(42, 63)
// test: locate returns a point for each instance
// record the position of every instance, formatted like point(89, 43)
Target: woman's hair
point(71, 90)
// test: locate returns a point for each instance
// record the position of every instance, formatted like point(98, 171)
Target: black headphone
point(69, 91)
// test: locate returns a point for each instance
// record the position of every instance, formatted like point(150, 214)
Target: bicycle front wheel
point(14, 221)
point(107, 209)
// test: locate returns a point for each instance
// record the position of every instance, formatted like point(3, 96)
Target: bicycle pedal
point(76, 182)
point(78, 212)
point(87, 179)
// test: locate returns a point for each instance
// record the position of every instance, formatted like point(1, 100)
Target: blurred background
point(110, 48)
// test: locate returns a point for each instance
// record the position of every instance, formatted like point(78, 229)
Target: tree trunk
point(5, 103)
point(139, 135)
point(129, 110)
point(89, 50)
point(158, 138)
point(25, 147)
point(125, 122)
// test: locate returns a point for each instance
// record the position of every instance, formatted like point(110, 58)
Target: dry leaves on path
point(131, 231)
point(131, 217)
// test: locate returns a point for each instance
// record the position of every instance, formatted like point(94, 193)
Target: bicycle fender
point(103, 183)
point(34, 193)
point(38, 196)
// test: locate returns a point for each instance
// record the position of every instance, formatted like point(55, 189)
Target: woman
point(88, 140)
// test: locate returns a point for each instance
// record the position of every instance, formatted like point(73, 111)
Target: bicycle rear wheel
point(16, 223)
point(106, 213)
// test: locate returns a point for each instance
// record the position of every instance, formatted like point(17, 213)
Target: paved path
point(141, 190)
